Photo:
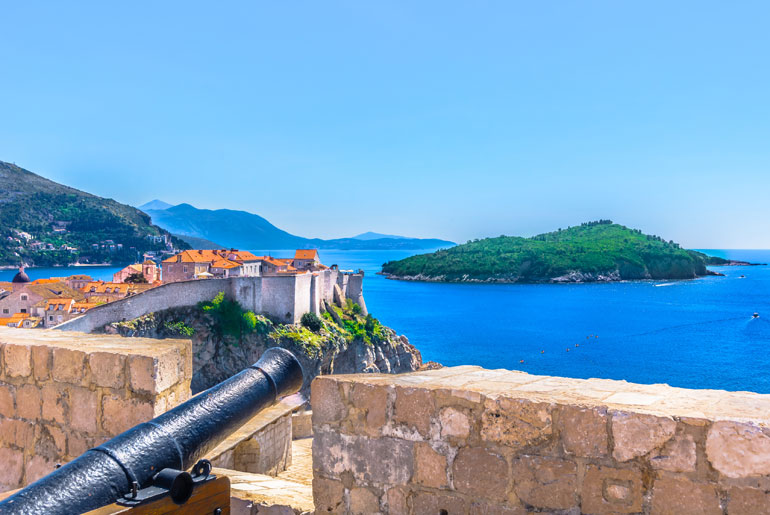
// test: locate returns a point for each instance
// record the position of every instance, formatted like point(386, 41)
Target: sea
point(696, 333)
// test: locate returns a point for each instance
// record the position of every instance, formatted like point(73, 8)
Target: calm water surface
point(697, 334)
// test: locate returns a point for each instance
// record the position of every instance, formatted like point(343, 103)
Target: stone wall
point(63, 393)
point(285, 298)
point(467, 440)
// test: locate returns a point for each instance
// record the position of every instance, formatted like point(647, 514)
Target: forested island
point(590, 252)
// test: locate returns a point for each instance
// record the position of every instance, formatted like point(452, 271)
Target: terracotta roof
point(224, 263)
point(53, 290)
point(80, 277)
point(53, 305)
point(101, 287)
point(148, 262)
point(306, 254)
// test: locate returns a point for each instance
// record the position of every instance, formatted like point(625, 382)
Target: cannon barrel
point(176, 439)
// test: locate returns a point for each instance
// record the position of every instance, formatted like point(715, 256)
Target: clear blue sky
point(435, 119)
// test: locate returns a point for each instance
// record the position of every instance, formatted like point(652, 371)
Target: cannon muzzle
point(174, 440)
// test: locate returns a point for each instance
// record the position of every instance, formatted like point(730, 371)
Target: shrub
point(311, 321)
point(229, 317)
point(178, 328)
point(356, 309)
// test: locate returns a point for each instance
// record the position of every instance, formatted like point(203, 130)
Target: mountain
point(199, 243)
point(155, 204)
point(44, 223)
point(366, 236)
point(240, 229)
point(594, 251)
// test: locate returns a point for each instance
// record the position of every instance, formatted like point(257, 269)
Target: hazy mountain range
point(240, 229)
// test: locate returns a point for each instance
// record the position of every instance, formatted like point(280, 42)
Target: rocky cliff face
point(331, 349)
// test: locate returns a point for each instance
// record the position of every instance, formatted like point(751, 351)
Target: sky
point(444, 119)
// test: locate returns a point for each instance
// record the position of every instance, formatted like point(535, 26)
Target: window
point(23, 310)
point(5, 311)
point(184, 269)
point(24, 297)
point(50, 318)
point(58, 318)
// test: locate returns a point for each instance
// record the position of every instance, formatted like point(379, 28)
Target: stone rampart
point(465, 440)
point(63, 393)
point(285, 298)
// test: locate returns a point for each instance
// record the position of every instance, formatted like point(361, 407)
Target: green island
point(590, 252)
point(43, 223)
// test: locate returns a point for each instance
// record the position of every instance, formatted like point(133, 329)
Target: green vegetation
point(230, 319)
point(592, 248)
point(71, 224)
point(311, 321)
point(178, 329)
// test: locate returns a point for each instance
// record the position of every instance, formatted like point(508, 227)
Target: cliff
point(226, 339)
point(591, 252)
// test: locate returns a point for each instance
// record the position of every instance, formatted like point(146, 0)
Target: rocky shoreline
point(572, 277)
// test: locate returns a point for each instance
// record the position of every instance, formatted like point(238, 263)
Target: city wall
point(285, 297)
point(64, 393)
point(465, 440)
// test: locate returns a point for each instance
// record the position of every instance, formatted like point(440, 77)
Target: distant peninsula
point(203, 228)
point(591, 252)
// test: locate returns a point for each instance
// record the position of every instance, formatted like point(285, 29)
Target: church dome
point(21, 276)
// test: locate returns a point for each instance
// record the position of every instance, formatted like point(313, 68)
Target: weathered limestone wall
point(467, 440)
point(63, 393)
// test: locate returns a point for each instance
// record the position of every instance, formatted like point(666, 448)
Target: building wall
point(468, 440)
point(284, 297)
point(64, 393)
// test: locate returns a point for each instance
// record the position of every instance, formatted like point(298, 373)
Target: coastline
point(570, 278)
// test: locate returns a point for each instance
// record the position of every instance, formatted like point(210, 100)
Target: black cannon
point(136, 459)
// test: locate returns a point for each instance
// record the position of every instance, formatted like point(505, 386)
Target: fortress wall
point(179, 294)
point(63, 393)
point(468, 440)
point(248, 292)
point(355, 291)
point(279, 297)
point(302, 297)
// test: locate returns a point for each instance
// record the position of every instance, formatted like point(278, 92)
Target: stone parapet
point(467, 440)
point(64, 393)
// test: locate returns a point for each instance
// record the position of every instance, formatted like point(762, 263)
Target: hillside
point(244, 230)
point(595, 251)
point(43, 223)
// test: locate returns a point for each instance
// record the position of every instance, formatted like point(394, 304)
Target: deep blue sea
point(696, 334)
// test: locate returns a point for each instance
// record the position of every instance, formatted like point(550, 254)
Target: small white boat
point(755, 315)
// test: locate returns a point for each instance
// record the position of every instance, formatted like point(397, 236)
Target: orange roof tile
point(306, 254)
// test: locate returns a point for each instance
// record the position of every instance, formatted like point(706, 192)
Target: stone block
point(170, 370)
point(54, 403)
point(738, 450)
point(119, 414)
point(18, 360)
point(7, 406)
point(496, 509)
point(372, 401)
point(680, 496)
point(637, 434)
point(678, 455)
point(608, 490)
point(142, 372)
point(414, 408)
point(363, 502)
point(545, 483)
point(326, 401)
point(12, 470)
point(516, 423)
point(584, 431)
point(748, 501)
point(57, 437)
point(37, 467)
point(439, 503)
point(430, 467)
point(83, 409)
point(481, 472)
point(328, 495)
point(108, 369)
point(41, 362)
point(396, 500)
point(378, 460)
point(28, 401)
point(77, 444)
point(68, 365)
point(18, 433)
point(454, 423)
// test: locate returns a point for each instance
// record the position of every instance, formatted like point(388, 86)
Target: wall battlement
point(283, 297)
point(64, 393)
point(466, 440)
